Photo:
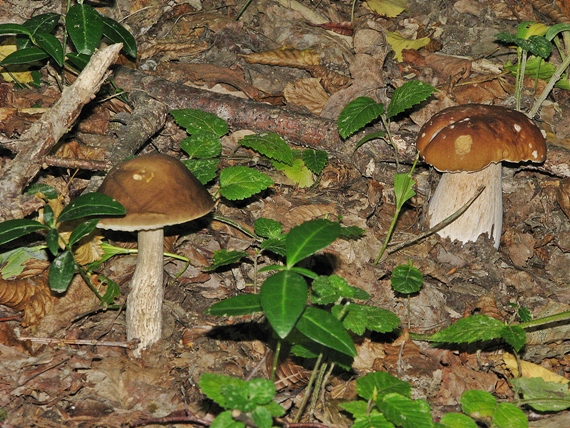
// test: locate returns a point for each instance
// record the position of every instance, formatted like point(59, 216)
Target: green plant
point(63, 232)
point(204, 151)
point(83, 24)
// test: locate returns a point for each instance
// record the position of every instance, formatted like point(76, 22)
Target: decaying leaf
point(285, 57)
point(448, 69)
point(530, 370)
point(288, 374)
point(330, 80)
point(400, 43)
point(308, 93)
point(345, 28)
point(20, 73)
point(76, 150)
point(31, 295)
point(388, 8)
point(563, 196)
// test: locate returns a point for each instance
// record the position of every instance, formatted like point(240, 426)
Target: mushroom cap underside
point(470, 137)
point(156, 190)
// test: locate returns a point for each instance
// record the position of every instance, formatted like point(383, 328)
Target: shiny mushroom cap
point(156, 190)
point(470, 137)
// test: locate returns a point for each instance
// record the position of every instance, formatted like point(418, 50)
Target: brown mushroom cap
point(156, 190)
point(470, 137)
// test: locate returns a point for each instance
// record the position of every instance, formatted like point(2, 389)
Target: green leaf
point(403, 189)
point(260, 391)
point(226, 420)
point(315, 160)
point(14, 229)
point(211, 384)
point(270, 145)
point(50, 44)
point(52, 241)
point(241, 182)
point(267, 228)
point(506, 37)
point(308, 238)
point(85, 28)
point(46, 190)
point(405, 412)
point(202, 146)
point(80, 61)
point(298, 172)
point(323, 328)
point(112, 290)
point(524, 314)
point(236, 397)
point(61, 272)
point(378, 384)
point(359, 318)
point(119, 34)
point(205, 170)
point(478, 404)
point(536, 45)
point(357, 114)
point(199, 122)
point(508, 415)
point(515, 336)
point(372, 136)
point(330, 289)
point(14, 29)
point(457, 420)
point(242, 304)
point(91, 204)
point(556, 29)
point(224, 258)
point(44, 23)
point(82, 231)
point(283, 297)
point(407, 96)
point(25, 56)
point(13, 262)
point(471, 329)
point(275, 245)
point(351, 232)
point(543, 396)
point(406, 279)
point(262, 417)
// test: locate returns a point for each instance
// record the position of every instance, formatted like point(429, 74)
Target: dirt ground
point(201, 45)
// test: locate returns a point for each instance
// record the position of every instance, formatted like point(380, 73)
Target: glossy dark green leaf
point(267, 228)
point(225, 257)
point(46, 190)
point(14, 29)
point(308, 238)
point(79, 61)
point(323, 328)
point(271, 145)
point(283, 297)
point(357, 114)
point(52, 241)
point(44, 23)
point(119, 34)
point(198, 122)
point(25, 56)
point(50, 44)
point(406, 279)
point(82, 230)
point(14, 229)
point(408, 95)
point(85, 28)
point(49, 216)
point(61, 272)
point(91, 204)
point(315, 160)
point(242, 304)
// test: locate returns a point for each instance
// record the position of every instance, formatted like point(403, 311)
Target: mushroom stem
point(144, 302)
point(485, 215)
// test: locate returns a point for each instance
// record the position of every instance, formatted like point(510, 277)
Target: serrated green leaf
point(211, 384)
point(236, 397)
point(479, 404)
point(515, 336)
point(471, 329)
point(357, 114)
point(378, 384)
point(85, 28)
point(50, 44)
point(507, 415)
point(267, 228)
point(308, 238)
point(524, 314)
point(298, 172)
point(119, 34)
point(61, 272)
point(283, 297)
point(262, 417)
point(315, 160)
point(324, 329)
point(46, 190)
point(82, 231)
point(543, 396)
point(13, 262)
point(25, 56)
point(14, 229)
point(14, 29)
point(271, 145)
point(407, 96)
point(224, 258)
point(91, 204)
point(226, 420)
point(364, 417)
point(241, 182)
point(260, 391)
point(506, 37)
point(351, 232)
point(457, 420)
point(405, 412)
point(202, 146)
point(205, 170)
point(359, 318)
point(275, 245)
point(406, 279)
point(330, 289)
point(198, 122)
point(242, 304)
point(536, 45)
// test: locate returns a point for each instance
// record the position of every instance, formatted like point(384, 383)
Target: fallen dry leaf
point(388, 8)
point(400, 43)
point(31, 295)
point(285, 57)
point(307, 93)
point(530, 370)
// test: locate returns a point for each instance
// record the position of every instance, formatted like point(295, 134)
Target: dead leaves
point(30, 295)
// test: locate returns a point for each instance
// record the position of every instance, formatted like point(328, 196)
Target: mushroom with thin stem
point(157, 191)
point(467, 143)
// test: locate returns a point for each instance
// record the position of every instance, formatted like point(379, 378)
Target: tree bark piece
point(37, 141)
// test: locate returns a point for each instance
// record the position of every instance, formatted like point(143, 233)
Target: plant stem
point(386, 124)
point(308, 388)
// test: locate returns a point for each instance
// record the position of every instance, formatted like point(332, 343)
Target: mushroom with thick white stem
point(157, 191)
point(468, 143)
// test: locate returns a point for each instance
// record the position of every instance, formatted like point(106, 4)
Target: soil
point(88, 376)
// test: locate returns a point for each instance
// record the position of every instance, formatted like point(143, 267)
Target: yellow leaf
point(22, 76)
point(530, 370)
point(285, 57)
point(399, 43)
point(388, 8)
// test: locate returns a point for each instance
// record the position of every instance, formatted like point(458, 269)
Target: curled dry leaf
point(31, 295)
point(563, 196)
point(487, 305)
point(447, 68)
point(345, 28)
point(295, 58)
point(76, 150)
point(308, 93)
point(288, 374)
point(330, 80)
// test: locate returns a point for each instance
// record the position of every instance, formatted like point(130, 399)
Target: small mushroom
point(157, 191)
point(468, 143)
